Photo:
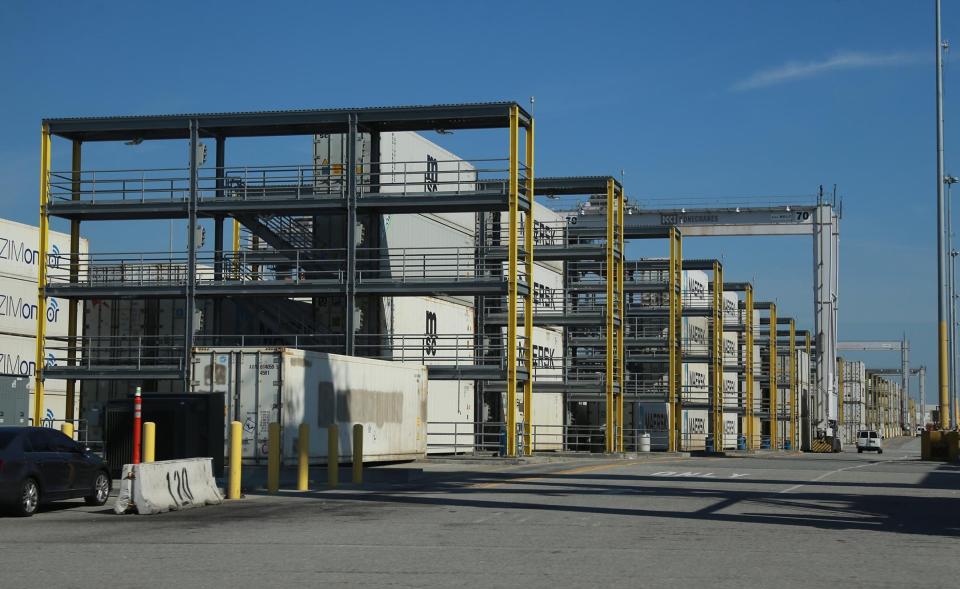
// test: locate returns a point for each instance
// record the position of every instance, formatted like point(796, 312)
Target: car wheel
point(28, 499)
point(101, 490)
point(880, 451)
point(859, 450)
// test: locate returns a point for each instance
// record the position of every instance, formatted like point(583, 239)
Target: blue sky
point(732, 99)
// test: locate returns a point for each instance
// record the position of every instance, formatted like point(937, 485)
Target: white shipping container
point(547, 421)
point(422, 327)
point(731, 389)
point(450, 416)
point(653, 417)
point(428, 246)
point(18, 357)
point(549, 228)
point(731, 430)
point(731, 347)
point(409, 163)
point(731, 307)
point(18, 309)
point(429, 330)
point(693, 432)
point(695, 289)
point(289, 386)
point(695, 382)
point(20, 255)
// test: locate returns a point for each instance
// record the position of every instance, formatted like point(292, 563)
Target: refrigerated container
point(19, 311)
point(654, 418)
point(290, 386)
point(18, 358)
point(20, 255)
point(731, 431)
point(695, 289)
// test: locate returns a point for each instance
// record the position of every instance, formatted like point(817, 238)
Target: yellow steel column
point(38, 398)
point(773, 382)
point(620, 303)
point(74, 277)
point(528, 301)
point(840, 396)
point(748, 366)
point(511, 409)
point(716, 353)
point(944, 378)
point(609, 336)
point(793, 385)
point(236, 249)
point(673, 339)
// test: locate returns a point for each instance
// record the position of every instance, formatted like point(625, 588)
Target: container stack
point(19, 260)
point(695, 379)
point(854, 400)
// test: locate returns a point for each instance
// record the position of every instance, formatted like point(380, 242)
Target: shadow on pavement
point(808, 506)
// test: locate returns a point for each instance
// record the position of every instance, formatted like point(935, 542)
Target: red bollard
point(137, 425)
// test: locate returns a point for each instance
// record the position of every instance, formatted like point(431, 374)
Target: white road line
point(825, 475)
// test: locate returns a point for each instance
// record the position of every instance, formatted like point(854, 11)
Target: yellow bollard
point(67, 430)
point(149, 441)
point(333, 455)
point(273, 458)
point(236, 455)
point(357, 454)
point(303, 467)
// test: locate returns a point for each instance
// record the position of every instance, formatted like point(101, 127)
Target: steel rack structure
point(653, 344)
point(267, 200)
point(768, 365)
point(589, 308)
point(708, 348)
point(743, 362)
point(788, 379)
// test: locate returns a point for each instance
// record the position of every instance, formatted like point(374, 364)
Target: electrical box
point(14, 400)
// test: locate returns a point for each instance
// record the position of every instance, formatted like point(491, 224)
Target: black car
point(40, 465)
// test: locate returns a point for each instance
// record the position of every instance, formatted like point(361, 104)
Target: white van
point(867, 439)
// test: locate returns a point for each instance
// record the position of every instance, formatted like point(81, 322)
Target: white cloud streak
point(843, 61)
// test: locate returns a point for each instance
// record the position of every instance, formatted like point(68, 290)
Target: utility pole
point(942, 359)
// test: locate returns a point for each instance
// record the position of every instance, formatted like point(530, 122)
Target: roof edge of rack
point(287, 122)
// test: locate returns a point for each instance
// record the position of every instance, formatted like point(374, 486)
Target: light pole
point(942, 357)
point(949, 181)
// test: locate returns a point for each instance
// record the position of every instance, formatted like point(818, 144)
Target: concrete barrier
point(168, 485)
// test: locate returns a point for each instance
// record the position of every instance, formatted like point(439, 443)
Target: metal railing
point(465, 437)
point(289, 266)
point(303, 181)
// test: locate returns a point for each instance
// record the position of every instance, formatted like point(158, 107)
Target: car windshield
point(6, 437)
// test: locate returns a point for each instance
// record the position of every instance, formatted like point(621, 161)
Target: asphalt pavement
point(766, 520)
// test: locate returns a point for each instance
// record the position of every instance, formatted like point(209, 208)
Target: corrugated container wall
point(295, 386)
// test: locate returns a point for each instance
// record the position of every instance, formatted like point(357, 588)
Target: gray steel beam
point(350, 301)
point(291, 122)
point(191, 256)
